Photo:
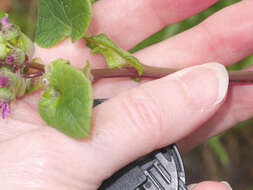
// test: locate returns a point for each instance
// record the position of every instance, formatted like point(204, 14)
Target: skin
point(193, 104)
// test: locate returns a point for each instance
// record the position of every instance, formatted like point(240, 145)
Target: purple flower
point(16, 56)
point(10, 59)
point(4, 81)
point(5, 108)
point(5, 21)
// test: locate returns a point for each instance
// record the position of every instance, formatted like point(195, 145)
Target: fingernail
point(205, 85)
point(190, 187)
point(227, 184)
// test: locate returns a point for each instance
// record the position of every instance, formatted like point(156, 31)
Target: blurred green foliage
point(220, 150)
point(179, 27)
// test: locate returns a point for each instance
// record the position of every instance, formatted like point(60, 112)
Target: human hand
point(141, 119)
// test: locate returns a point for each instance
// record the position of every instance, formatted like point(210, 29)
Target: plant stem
point(37, 66)
point(148, 72)
point(34, 75)
point(158, 72)
point(241, 76)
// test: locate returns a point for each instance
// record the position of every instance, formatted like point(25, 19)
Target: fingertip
point(205, 84)
point(210, 185)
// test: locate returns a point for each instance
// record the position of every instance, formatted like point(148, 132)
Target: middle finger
point(225, 37)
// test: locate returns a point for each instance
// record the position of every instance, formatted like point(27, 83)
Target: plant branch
point(148, 72)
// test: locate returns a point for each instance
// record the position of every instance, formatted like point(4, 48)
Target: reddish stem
point(37, 66)
point(34, 75)
point(148, 72)
point(157, 72)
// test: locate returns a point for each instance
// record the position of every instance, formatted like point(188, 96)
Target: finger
point(154, 115)
point(237, 108)
point(130, 22)
point(239, 105)
point(142, 18)
point(209, 185)
point(225, 37)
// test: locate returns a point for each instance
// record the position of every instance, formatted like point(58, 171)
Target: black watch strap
point(160, 170)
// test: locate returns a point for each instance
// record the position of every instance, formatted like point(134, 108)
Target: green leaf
point(114, 55)
point(59, 19)
point(66, 103)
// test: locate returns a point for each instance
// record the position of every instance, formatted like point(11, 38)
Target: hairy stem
point(148, 72)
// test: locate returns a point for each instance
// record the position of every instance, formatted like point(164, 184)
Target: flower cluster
point(16, 50)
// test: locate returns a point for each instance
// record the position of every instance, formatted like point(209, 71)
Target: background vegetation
point(226, 157)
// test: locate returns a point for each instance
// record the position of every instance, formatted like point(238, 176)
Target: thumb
point(154, 115)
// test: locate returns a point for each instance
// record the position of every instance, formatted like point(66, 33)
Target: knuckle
point(144, 112)
point(212, 39)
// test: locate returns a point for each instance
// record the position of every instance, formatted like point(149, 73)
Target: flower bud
point(5, 94)
point(10, 32)
point(8, 78)
point(3, 51)
point(2, 40)
point(16, 56)
point(27, 45)
point(4, 81)
point(21, 87)
point(16, 84)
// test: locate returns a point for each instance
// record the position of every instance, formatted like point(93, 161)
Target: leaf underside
point(67, 103)
point(59, 19)
point(114, 55)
